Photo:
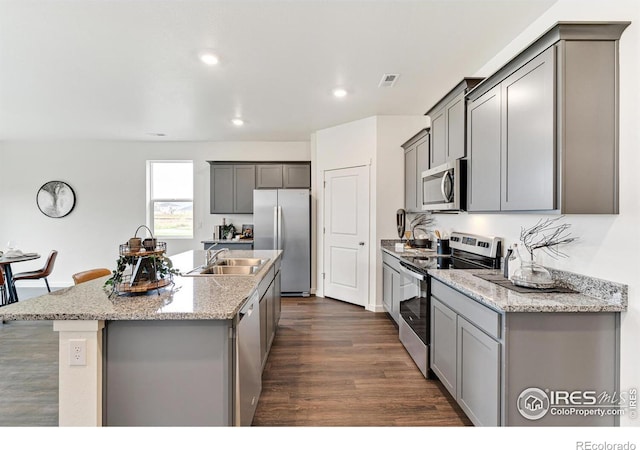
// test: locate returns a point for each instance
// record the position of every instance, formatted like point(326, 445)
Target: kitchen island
point(169, 357)
point(526, 358)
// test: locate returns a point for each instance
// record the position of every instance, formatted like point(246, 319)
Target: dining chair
point(39, 274)
point(3, 288)
point(90, 274)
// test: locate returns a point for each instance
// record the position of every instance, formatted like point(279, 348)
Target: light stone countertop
point(594, 295)
point(191, 298)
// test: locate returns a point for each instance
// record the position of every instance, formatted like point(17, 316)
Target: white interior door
point(346, 234)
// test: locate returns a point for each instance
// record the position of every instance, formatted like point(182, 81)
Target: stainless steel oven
point(414, 317)
point(443, 187)
point(468, 251)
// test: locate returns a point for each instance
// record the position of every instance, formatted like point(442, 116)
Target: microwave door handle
point(443, 183)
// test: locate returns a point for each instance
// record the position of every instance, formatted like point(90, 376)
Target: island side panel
point(168, 373)
point(561, 351)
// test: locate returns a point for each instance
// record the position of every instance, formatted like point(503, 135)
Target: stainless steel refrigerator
point(282, 221)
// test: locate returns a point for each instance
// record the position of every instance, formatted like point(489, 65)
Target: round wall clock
point(56, 199)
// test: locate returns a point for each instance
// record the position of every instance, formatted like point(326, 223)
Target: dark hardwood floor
point(335, 364)
point(331, 364)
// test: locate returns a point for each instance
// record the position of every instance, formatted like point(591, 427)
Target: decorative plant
point(161, 265)
point(547, 235)
point(228, 231)
point(421, 222)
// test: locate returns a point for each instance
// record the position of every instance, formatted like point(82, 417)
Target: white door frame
point(366, 249)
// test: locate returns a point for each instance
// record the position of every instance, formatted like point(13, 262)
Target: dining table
point(5, 265)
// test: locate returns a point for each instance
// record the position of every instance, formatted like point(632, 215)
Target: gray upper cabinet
point(416, 161)
point(448, 118)
point(287, 176)
point(268, 176)
point(555, 106)
point(296, 176)
point(231, 188)
point(221, 188)
point(528, 155)
point(483, 176)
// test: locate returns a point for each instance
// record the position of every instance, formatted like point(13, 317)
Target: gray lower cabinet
point(542, 130)
point(231, 188)
point(444, 351)
point(478, 390)
point(416, 161)
point(487, 359)
point(396, 287)
point(270, 310)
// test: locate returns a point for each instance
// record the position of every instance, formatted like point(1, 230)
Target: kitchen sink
point(229, 266)
point(229, 270)
point(241, 262)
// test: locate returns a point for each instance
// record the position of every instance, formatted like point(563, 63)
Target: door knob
point(360, 243)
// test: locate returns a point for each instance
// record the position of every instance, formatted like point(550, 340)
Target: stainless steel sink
point(241, 262)
point(230, 270)
point(230, 266)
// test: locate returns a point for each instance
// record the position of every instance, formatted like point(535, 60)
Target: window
point(171, 198)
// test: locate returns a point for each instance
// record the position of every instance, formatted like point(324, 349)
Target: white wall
point(109, 179)
point(609, 245)
point(374, 142)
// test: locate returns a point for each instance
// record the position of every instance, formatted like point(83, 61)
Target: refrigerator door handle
point(280, 241)
point(275, 227)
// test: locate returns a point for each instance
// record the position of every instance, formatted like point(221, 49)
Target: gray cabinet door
point(422, 161)
point(296, 176)
point(221, 188)
point(271, 298)
point(444, 345)
point(528, 144)
point(277, 309)
point(410, 181)
point(455, 120)
point(438, 138)
point(268, 176)
point(478, 375)
point(387, 288)
point(483, 145)
point(244, 184)
point(264, 339)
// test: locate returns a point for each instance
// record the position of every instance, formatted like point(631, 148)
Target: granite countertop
point(594, 295)
point(191, 298)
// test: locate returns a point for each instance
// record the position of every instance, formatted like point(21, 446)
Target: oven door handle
point(409, 271)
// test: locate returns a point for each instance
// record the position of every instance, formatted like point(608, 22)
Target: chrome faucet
point(212, 256)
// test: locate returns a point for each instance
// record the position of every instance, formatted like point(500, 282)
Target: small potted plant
point(546, 235)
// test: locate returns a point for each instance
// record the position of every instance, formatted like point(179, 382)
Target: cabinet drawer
point(391, 261)
point(483, 317)
point(265, 282)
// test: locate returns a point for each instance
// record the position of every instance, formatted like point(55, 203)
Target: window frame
point(151, 201)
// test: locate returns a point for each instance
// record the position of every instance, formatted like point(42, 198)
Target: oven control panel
point(488, 246)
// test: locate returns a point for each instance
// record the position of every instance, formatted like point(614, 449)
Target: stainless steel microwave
point(444, 187)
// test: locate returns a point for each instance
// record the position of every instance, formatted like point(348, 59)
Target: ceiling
point(129, 69)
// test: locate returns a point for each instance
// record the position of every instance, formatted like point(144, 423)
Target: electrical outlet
point(77, 352)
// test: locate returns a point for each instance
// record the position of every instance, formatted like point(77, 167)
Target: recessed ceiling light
point(339, 93)
point(237, 122)
point(209, 58)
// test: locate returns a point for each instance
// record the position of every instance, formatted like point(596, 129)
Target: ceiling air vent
point(388, 79)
